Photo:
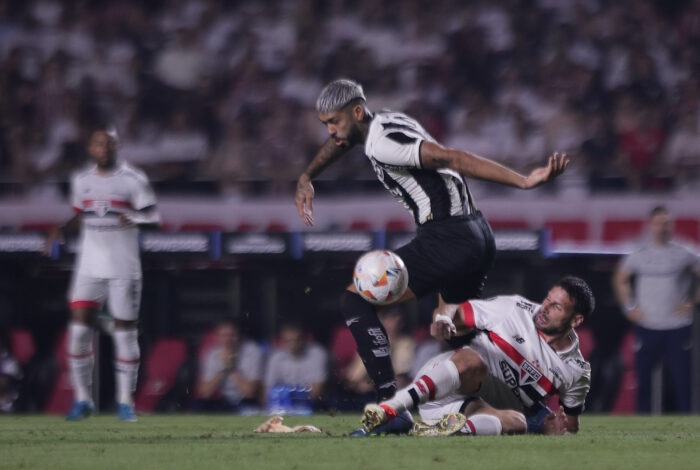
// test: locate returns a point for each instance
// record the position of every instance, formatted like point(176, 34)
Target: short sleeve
point(143, 195)
point(397, 148)
point(211, 365)
point(629, 263)
point(272, 377)
point(318, 368)
point(76, 200)
point(486, 314)
point(251, 362)
point(573, 398)
point(694, 262)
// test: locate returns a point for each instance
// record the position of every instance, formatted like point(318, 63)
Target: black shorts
point(451, 256)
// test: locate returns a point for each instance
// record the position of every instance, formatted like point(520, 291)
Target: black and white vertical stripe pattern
point(393, 147)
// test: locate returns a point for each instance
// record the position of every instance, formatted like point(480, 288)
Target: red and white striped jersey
point(109, 250)
point(521, 358)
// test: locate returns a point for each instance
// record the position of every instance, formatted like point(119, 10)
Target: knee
point(513, 422)
point(471, 363)
point(82, 315)
point(352, 304)
point(125, 324)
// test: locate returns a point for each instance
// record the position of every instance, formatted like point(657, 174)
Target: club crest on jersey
point(529, 373)
point(101, 207)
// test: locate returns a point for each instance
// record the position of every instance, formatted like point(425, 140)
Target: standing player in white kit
point(112, 200)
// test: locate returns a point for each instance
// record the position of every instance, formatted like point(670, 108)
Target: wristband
point(445, 319)
point(534, 422)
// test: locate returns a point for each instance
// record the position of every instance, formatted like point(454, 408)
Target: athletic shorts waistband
point(455, 219)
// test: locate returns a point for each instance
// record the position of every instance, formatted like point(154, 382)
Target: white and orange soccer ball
point(380, 277)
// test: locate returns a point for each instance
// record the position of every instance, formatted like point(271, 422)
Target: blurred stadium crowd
point(223, 91)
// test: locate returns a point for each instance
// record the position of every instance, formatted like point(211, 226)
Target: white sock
point(126, 364)
point(437, 383)
point(81, 359)
point(483, 425)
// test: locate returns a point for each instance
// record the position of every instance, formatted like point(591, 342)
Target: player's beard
point(354, 137)
point(108, 163)
point(553, 330)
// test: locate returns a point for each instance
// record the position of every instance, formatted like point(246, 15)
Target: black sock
point(372, 342)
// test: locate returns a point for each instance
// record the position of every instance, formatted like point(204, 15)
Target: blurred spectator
point(661, 307)
point(10, 376)
point(682, 155)
point(599, 152)
point(231, 373)
point(640, 141)
point(182, 63)
point(522, 73)
point(297, 362)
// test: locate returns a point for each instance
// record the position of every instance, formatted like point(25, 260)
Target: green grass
point(227, 442)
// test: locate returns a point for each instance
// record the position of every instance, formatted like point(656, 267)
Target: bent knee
point(513, 422)
point(470, 362)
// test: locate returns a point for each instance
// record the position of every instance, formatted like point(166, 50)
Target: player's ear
point(576, 320)
point(358, 112)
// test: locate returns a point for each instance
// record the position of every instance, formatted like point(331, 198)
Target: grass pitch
point(227, 442)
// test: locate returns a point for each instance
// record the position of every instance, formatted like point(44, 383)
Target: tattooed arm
point(434, 156)
point(303, 198)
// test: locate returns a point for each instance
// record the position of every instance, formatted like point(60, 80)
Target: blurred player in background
point(661, 307)
point(454, 246)
point(530, 347)
point(112, 200)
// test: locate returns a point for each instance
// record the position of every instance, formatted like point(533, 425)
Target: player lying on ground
point(532, 348)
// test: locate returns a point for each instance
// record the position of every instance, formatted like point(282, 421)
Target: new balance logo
point(518, 339)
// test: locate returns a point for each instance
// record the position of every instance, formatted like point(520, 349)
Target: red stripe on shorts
point(431, 386)
point(128, 361)
point(83, 304)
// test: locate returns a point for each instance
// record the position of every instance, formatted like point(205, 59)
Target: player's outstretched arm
point(434, 156)
point(59, 232)
point(147, 218)
point(303, 198)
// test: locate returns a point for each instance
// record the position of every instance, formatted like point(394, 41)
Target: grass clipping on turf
point(274, 424)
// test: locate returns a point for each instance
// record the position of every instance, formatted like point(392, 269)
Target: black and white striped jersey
point(393, 146)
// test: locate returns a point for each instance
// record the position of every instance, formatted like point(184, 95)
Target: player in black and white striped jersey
point(454, 247)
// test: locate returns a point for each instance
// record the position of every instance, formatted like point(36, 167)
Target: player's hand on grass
point(555, 423)
point(304, 199)
point(55, 235)
point(555, 167)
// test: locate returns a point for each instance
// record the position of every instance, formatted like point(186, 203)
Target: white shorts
point(432, 411)
point(123, 296)
point(493, 391)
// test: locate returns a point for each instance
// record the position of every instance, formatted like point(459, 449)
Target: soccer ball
point(380, 277)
